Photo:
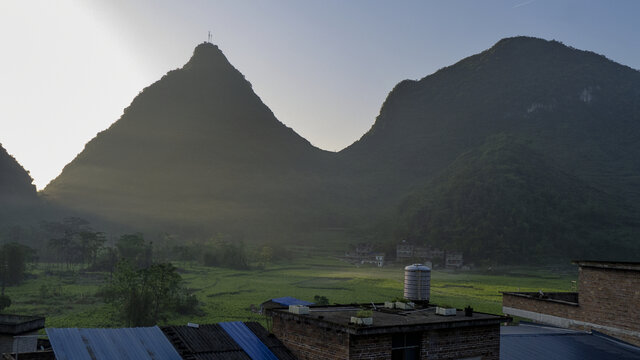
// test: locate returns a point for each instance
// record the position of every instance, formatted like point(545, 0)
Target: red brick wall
point(370, 347)
point(610, 297)
point(460, 343)
point(308, 342)
point(542, 306)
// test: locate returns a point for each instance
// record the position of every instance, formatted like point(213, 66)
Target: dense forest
point(503, 202)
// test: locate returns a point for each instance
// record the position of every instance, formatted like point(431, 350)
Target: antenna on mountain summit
point(209, 37)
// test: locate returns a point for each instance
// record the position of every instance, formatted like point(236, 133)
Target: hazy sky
point(69, 67)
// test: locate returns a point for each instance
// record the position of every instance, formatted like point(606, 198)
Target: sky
point(68, 68)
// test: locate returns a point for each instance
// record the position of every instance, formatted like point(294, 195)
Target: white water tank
point(417, 281)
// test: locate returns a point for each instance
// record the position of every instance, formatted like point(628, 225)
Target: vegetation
point(320, 300)
point(236, 170)
point(364, 313)
point(147, 296)
point(75, 298)
point(505, 203)
point(73, 242)
point(13, 259)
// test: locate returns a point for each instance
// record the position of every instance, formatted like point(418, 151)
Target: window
point(405, 346)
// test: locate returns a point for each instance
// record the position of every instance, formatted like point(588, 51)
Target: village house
point(410, 252)
point(327, 332)
point(364, 254)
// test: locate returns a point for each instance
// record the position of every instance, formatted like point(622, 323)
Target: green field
point(69, 298)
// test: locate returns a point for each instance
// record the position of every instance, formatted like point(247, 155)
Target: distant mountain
point(576, 107)
point(544, 137)
point(503, 202)
point(196, 149)
point(17, 192)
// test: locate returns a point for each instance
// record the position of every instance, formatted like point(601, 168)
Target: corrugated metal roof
point(205, 342)
point(124, 343)
point(271, 341)
point(209, 342)
point(532, 342)
point(248, 340)
point(288, 300)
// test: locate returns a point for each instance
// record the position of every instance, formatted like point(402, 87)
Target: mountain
point(545, 136)
point(503, 202)
point(17, 192)
point(197, 149)
point(576, 107)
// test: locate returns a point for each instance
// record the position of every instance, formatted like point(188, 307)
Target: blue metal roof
point(148, 343)
point(288, 300)
point(247, 340)
point(532, 342)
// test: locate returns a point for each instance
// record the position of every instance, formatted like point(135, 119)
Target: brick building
point(326, 333)
point(608, 301)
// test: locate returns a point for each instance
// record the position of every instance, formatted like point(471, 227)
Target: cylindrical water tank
point(417, 279)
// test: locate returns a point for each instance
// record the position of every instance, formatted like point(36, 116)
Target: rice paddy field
point(71, 298)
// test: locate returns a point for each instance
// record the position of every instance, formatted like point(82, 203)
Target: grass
point(68, 299)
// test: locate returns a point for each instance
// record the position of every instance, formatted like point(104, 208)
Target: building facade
point(326, 333)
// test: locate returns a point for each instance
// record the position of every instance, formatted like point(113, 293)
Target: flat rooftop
point(539, 342)
point(17, 324)
point(338, 317)
point(615, 265)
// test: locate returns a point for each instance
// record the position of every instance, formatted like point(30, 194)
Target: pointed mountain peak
point(524, 41)
point(207, 55)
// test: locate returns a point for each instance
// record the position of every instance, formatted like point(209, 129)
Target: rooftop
point(614, 265)
point(233, 340)
point(124, 343)
point(288, 300)
point(536, 342)
point(18, 324)
point(385, 320)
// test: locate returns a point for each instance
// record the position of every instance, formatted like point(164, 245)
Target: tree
point(321, 300)
point(226, 254)
point(133, 248)
point(5, 302)
point(143, 297)
point(73, 241)
point(266, 254)
point(13, 261)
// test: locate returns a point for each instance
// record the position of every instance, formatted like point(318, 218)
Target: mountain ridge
point(545, 96)
point(198, 149)
point(205, 121)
